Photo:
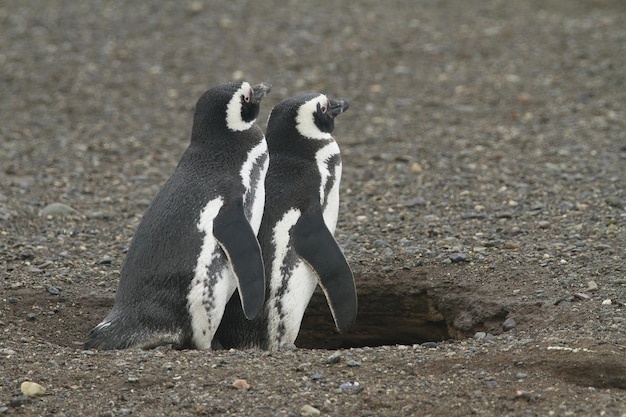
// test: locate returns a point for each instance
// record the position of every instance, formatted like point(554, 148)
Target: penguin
point(196, 243)
point(296, 233)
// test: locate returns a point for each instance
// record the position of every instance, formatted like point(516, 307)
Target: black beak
point(337, 106)
point(260, 91)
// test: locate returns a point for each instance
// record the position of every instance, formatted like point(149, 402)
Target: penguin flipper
point(237, 239)
point(315, 244)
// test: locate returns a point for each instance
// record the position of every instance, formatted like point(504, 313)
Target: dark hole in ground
point(383, 319)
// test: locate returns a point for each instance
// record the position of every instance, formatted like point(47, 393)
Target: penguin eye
point(246, 99)
point(321, 108)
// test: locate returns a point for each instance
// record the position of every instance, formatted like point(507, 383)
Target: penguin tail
point(108, 336)
point(117, 333)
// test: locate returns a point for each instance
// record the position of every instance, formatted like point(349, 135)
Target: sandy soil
point(483, 202)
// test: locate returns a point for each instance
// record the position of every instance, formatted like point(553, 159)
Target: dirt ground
point(483, 202)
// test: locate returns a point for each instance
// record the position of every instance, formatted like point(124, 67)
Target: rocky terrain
point(483, 202)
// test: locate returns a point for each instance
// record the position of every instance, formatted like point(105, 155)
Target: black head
point(231, 106)
point(310, 115)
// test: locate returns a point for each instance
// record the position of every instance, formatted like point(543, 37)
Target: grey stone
point(351, 387)
point(458, 257)
point(58, 210)
point(53, 290)
point(509, 324)
point(415, 202)
point(480, 335)
point(334, 358)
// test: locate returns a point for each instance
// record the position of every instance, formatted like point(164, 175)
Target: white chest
point(329, 166)
point(252, 174)
point(212, 283)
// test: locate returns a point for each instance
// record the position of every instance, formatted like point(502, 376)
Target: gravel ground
point(483, 211)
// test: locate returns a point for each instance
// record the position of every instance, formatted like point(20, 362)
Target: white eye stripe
point(233, 110)
point(305, 122)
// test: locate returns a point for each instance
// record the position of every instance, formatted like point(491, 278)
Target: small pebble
point(387, 255)
point(241, 384)
point(509, 324)
point(491, 383)
point(480, 335)
point(105, 261)
point(334, 358)
point(582, 296)
point(520, 375)
point(44, 264)
point(125, 411)
point(429, 345)
point(417, 201)
point(607, 302)
point(592, 286)
point(303, 367)
point(526, 395)
point(7, 352)
point(308, 410)
point(544, 224)
point(57, 210)
point(132, 379)
point(525, 342)
point(458, 257)
point(353, 364)
point(195, 7)
point(31, 316)
point(351, 387)
point(53, 290)
point(31, 389)
point(316, 376)
point(567, 298)
point(615, 202)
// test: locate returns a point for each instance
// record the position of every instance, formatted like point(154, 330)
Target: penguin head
point(314, 114)
point(233, 106)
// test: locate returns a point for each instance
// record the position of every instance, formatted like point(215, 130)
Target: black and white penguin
point(296, 234)
point(196, 242)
